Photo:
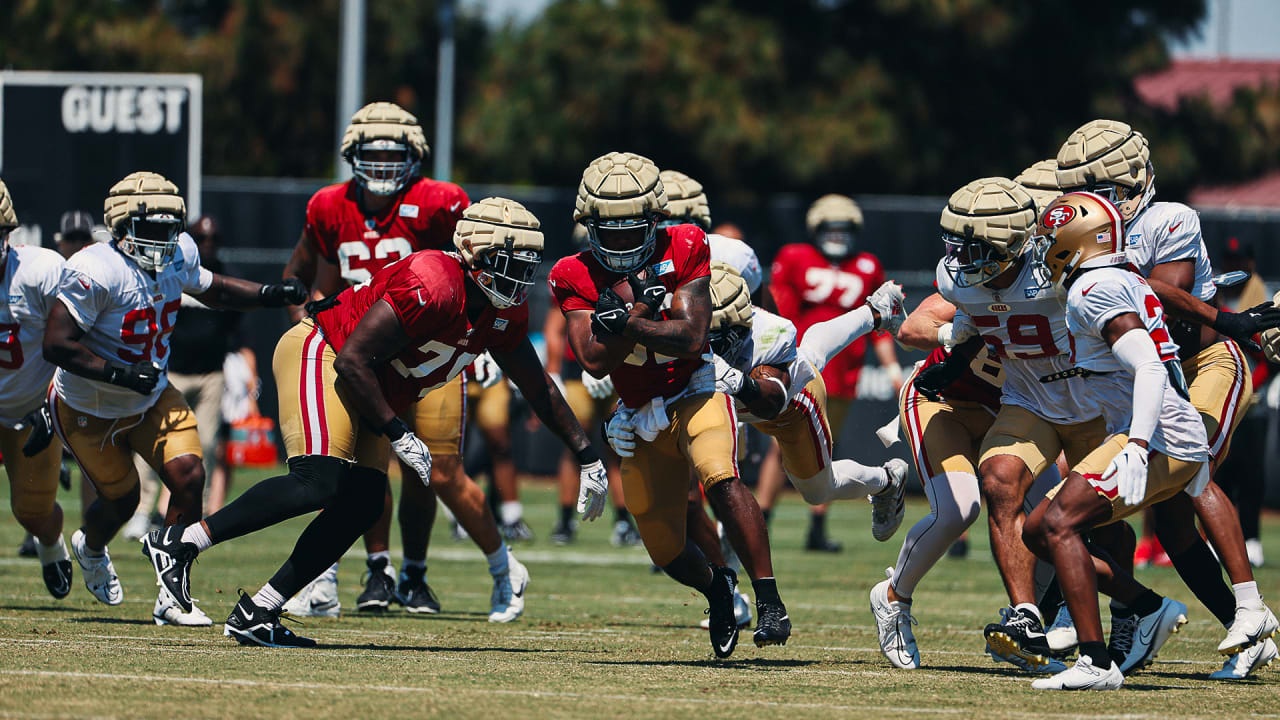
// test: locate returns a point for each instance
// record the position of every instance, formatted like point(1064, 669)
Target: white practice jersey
point(739, 255)
point(127, 316)
point(1169, 232)
point(1026, 328)
point(1096, 298)
point(31, 278)
point(773, 342)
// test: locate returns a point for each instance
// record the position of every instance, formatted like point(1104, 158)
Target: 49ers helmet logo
point(1059, 216)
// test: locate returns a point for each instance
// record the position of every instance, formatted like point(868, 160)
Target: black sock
point(1202, 574)
point(766, 591)
point(566, 516)
point(768, 515)
point(690, 568)
point(1097, 652)
point(818, 525)
point(310, 485)
point(1147, 603)
point(620, 514)
point(1050, 601)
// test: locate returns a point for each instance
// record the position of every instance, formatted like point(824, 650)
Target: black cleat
point(518, 531)
point(379, 587)
point(414, 593)
point(252, 625)
point(563, 534)
point(819, 542)
point(723, 625)
point(171, 558)
point(1019, 635)
point(28, 547)
point(57, 578)
point(773, 626)
point(958, 549)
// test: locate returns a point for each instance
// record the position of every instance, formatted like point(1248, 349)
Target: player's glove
point(593, 488)
point(610, 317)
point(888, 301)
point(41, 424)
point(1242, 326)
point(289, 292)
point(598, 388)
point(649, 292)
point(409, 448)
point(956, 332)
point(486, 370)
point(729, 379)
point(315, 307)
point(933, 380)
point(1129, 468)
point(140, 377)
point(621, 434)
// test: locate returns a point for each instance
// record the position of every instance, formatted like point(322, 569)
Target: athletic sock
point(498, 560)
point(766, 590)
point(768, 515)
point(1247, 595)
point(52, 553)
point(268, 598)
point(818, 524)
point(407, 563)
point(1147, 603)
point(620, 514)
point(90, 552)
point(1030, 608)
point(511, 511)
point(1202, 575)
point(1097, 652)
point(375, 556)
point(198, 536)
point(566, 515)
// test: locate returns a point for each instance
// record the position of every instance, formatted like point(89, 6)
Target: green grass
point(601, 637)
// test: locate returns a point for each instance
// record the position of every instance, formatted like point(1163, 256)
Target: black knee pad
point(318, 477)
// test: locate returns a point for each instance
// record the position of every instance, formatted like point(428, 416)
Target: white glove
point(956, 332)
point(409, 448)
point(621, 434)
point(486, 370)
point(729, 379)
point(1129, 468)
point(888, 301)
point(598, 388)
point(593, 488)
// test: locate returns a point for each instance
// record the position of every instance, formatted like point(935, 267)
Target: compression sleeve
point(1137, 352)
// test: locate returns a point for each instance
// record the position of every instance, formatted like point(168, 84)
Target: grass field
point(601, 637)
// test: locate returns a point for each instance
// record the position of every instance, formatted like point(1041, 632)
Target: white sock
point(498, 560)
point(268, 598)
point(1031, 608)
point(198, 536)
point(954, 500)
point(385, 555)
point(511, 511)
point(852, 480)
point(826, 339)
point(52, 553)
point(1247, 594)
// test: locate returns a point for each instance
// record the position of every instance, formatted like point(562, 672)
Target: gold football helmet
point(621, 199)
point(8, 220)
point(501, 244)
point(731, 310)
point(145, 215)
point(1041, 182)
point(686, 200)
point(1111, 159)
point(384, 127)
point(1078, 231)
point(986, 225)
point(833, 222)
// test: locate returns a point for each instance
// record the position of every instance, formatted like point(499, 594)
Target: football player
point(109, 336)
point(1163, 241)
point(1040, 180)
point(347, 374)
point(817, 281)
point(653, 345)
point(30, 276)
point(1157, 446)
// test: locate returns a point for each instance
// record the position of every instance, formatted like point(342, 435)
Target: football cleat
point(1062, 633)
point(1246, 661)
point(57, 578)
point(414, 593)
point(1084, 675)
point(1019, 635)
point(625, 535)
point(507, 600)
point(99, 574)
point(722, 622)
point(1250, 627)
point(319, 598)
point(253, 625)
point(1135, 639)
point(893, 626)
point(774, 625)
point(518, 531)
point(167, 612)
point(741, 611)
point(817, 541)
point(564, 534)
point(171, 558)
point(379, 586)
point(888, 506)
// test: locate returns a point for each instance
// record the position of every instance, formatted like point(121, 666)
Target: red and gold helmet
point(1078, 231)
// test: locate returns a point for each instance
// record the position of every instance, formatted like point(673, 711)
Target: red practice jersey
point(422, 217)
point(681, 256)
point(427, 290)
point(808, 289)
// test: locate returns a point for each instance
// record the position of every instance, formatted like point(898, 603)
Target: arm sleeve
point(1136, 351)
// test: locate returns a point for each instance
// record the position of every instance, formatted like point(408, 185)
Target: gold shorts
point(945, 436)
point(587, 409)
point(441, 417)
point(702, 436)
point(104, 447)
point(33, 481)
point(802, 431)
point(1221, 389)
point(491, 406)
point(1166, 477)
point(1037, 442)
point(315, 416)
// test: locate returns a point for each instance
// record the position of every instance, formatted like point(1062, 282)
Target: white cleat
point(137, 527)
point(1136, 640)
point(1061, 635)
point(1240, 665)
point(99, 574)
point(167, 612)
point(741, 611)
point(1253, 549)
point(893, 626)
point(507, 600)
point(1084, 675)
point(888, 506)
point(1250, 627)
point(319, 598)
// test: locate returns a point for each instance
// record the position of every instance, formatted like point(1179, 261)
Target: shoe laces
point(1122, 631)
point(1017, 619)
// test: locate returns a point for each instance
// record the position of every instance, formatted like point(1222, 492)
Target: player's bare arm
point(63, 348)
point(314, 271)
point(598, 354)
point(522, 367)
point(684, 333)
point(374, 341)
point(920, 329)
point(237, 293)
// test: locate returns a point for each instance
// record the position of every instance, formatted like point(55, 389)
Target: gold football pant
point(33, 481)
point(1221, 389)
